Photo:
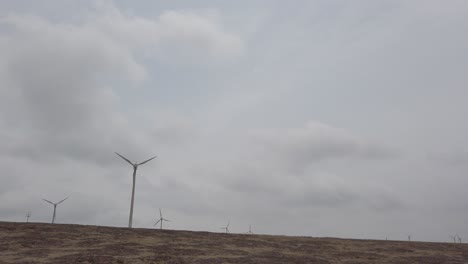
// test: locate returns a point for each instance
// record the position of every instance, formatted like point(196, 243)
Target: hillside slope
point(46, 243)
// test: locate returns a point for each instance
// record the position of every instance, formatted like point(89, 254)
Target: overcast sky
point(315, 118)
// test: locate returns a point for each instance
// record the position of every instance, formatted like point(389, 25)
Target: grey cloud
point(61, 103)
point(57, 91)
point(297, 167)
point(322, 198)
point(285, 194)
point(312, 190)
point(457, 158)
point(385, 202)
point(316, 142)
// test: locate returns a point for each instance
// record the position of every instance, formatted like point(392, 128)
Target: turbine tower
point(161, 219)
point(135, 167)
point(227, 227)
point(55, 207)
point(27, 217)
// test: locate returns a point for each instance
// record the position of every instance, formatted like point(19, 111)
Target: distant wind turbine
point(55, 207)
point(135, 167)
point(226, 228)
point(161, 219)
point(250, 230)
point(27, 217)
point(454, 238)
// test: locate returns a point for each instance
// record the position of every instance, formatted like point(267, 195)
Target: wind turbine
point(161, 219)
point(454, 238)
point(227, 227)
point(250, 230)
point(55, 207)
point(135, 167)
point(27, 217)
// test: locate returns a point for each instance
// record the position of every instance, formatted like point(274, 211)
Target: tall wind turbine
point(161, 219)
point(135, 167)
point(227, 227)
point(55, 207)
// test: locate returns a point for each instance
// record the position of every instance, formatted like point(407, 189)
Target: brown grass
point(46, 243)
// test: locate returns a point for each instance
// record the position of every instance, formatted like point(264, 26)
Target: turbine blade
point(157, 222)
point(63, 200)
point(160, 213)
point(146, 161)
point(166, 220)
point(48, 201)
point(124, 158)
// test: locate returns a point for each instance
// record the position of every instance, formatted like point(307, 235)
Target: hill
point(59, 243)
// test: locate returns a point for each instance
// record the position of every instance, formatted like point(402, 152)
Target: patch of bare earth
point(46, 243)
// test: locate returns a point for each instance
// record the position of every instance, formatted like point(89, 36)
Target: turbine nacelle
point(135, 165)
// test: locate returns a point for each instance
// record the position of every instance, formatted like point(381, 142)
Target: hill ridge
point(72, 243)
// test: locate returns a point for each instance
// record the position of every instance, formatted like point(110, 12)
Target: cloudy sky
point(316, 118)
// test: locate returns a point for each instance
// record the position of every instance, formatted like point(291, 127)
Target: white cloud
point(175, 36)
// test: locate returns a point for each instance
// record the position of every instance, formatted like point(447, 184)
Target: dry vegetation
point(46, 243)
